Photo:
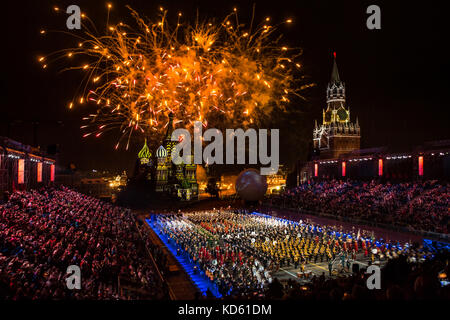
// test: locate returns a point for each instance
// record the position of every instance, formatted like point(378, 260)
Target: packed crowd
point(240, 253)
point(414, 205)
point(43, 232)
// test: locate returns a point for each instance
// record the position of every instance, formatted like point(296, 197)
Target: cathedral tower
point(170, 177)
point(337, 134)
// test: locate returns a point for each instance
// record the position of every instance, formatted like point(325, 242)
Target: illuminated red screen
point(420, 166)
point(21, 171)
point(39, 172)
point(52, 172)
point(380, 167)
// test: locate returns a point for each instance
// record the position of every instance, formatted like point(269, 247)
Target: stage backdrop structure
point(23, 167)
point(250, 185)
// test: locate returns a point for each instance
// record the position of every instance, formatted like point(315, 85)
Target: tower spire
point(335, 73)
point(335, 88)
point(169, 127)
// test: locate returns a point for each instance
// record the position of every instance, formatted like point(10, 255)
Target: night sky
point(397, 78)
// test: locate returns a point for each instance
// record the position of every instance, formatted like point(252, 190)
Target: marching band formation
point(241, 252)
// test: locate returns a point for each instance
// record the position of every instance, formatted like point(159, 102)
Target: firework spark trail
point(223, 74)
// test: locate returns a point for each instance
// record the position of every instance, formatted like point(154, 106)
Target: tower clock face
point(342, 114)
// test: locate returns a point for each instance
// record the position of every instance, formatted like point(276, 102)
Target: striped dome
point(161, 152)
point(145, 151)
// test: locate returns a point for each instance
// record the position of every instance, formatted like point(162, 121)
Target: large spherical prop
point(250, 185)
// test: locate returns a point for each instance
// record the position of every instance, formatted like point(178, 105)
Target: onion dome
point(145, 152)
point(161, 152)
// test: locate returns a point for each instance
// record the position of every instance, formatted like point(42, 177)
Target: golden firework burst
point(223, 74)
